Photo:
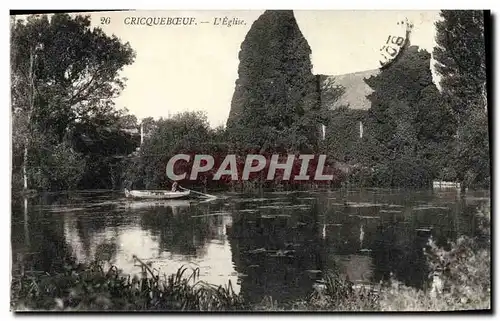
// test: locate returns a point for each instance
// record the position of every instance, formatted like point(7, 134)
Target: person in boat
point(174, 187)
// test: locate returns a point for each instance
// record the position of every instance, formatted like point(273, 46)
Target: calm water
point(274, 244)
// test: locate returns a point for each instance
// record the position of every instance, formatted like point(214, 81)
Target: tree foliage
point(184, 133)
point(103, 142)
point(276, 91)
point(64, 76)
point(408, 124)
point(461, 63)
point(67, 132)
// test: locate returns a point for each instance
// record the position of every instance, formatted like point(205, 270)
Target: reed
point(94, 288)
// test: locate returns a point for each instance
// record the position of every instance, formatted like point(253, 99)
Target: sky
point(194, 67)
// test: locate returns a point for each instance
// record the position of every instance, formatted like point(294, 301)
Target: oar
point(203, 194)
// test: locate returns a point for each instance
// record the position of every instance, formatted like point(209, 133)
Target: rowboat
point(156, 194)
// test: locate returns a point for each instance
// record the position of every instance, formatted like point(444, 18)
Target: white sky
point(180, 68)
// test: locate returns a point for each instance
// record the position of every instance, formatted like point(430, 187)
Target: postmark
point(396, 43)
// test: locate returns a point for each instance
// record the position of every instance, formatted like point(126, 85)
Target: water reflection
point(277, 244)
point(395, 252)
point(276, 252)
point(164, 234)
point(37, 239)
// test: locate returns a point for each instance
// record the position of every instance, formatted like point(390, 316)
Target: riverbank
point(459, 280)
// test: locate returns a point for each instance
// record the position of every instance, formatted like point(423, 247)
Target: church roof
point(356, 89)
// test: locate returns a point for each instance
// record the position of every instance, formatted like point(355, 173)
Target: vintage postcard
point(272, 160)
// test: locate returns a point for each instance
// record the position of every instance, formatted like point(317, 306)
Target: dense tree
point(342, 134)
point(460, 56)
point(276, 93)
point(408, 124)
point(63, 73)
point(461, 62)
point(184, 133)
point(104, 142)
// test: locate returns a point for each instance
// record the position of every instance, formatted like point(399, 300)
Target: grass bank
point(460, 278)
